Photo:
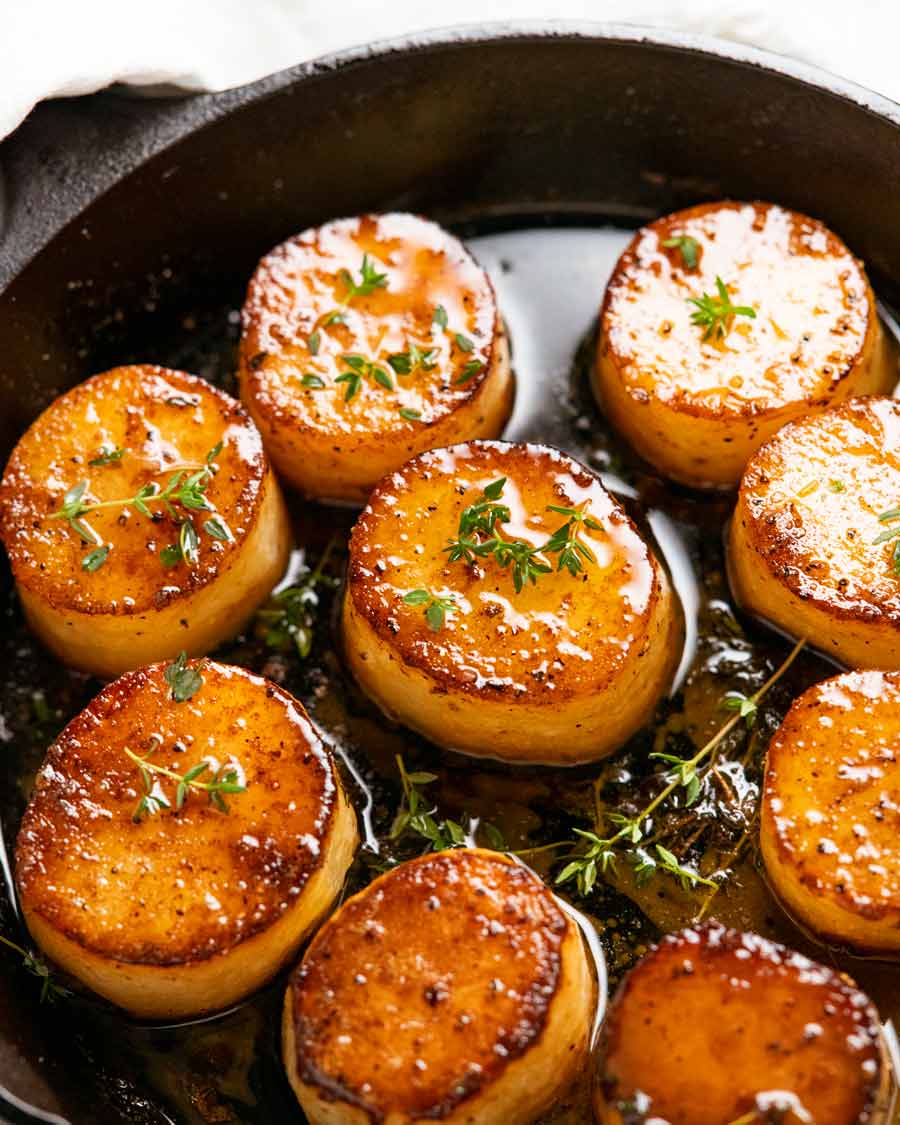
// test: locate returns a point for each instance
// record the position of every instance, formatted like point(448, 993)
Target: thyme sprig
point(223, 779)
point(289, 617)
point(888, 534)
point(183, 490)
point(479, 536)
point(405, 363)
point(370, 280)
point(715, 312)
point(593, 855)
point(416, 813)
point(434, 606)
point(184, 679)
point(688, 248)
point(359, 368)
point(108, 455)
point(51, 991)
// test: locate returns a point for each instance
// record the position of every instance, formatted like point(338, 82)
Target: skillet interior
point(486, 128)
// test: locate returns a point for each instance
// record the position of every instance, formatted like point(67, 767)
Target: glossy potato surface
point(830, 819)
point(561, 671)
point(803, 550)
point(329, 440)
point(697, 407)
point(147, 424)
point(453, 987)
point(182, 910)
point(714, 1027)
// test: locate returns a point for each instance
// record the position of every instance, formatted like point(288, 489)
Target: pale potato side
point(560, 672)
point(698, 408)
point(454, 987)
point(802, 550)
point(187, 910)
point(830, 819)
point(291, 355)
point(133, 609)
point(715, 1027)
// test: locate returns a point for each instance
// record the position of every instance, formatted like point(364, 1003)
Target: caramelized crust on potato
point(117, 433)
point(715, 1027)
point(453, 987)
point(802, 545)
point(562, 671)
point(178, 911)
point(697, 406)
point(830, 819)
point(438, 371)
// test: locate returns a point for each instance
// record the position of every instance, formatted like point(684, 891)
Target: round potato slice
point(454, 987)
point(174, 898)
point(108, 584)
point(559, 664)
point(812, 546)
point(696, 387)
point(366, 341)
point(830, 813)
point(715, 1027)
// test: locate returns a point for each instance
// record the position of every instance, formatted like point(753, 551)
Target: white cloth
point(60, 47)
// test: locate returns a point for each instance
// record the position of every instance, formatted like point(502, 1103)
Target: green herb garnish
point(715, 313)
point(220, 782)
point(688, 246)
point(50, 990)
point(360, 368)
point(184, 679)
point(187, 491)
point(108, 455)
point(434, 606)
point(288, 619)
point(93, 560)
point(479, 536)
point(470, 370)
point(405, 363)
point(594, 854)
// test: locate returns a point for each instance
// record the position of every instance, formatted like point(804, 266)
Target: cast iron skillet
point(117, 216)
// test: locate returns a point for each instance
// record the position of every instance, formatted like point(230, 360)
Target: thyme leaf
point(688, 247)
point(184, 679)
point(434, 606)
point(715, 312)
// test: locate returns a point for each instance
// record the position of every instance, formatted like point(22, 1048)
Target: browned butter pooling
point(166, 897)
point(714, 1025)
point(453, 987)
point(697, 406)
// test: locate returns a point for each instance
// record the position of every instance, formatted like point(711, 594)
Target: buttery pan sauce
point(549, 284)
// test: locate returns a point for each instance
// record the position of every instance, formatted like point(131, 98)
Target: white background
point(52, 47)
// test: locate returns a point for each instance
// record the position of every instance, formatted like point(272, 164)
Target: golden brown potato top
point(715, 1024)
point(814, 309)
point(179, 884)
point(426, 320)
point(421, 989)
point(126, 430)
point(555, 637)
point(813, 497)
point(832, 790)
